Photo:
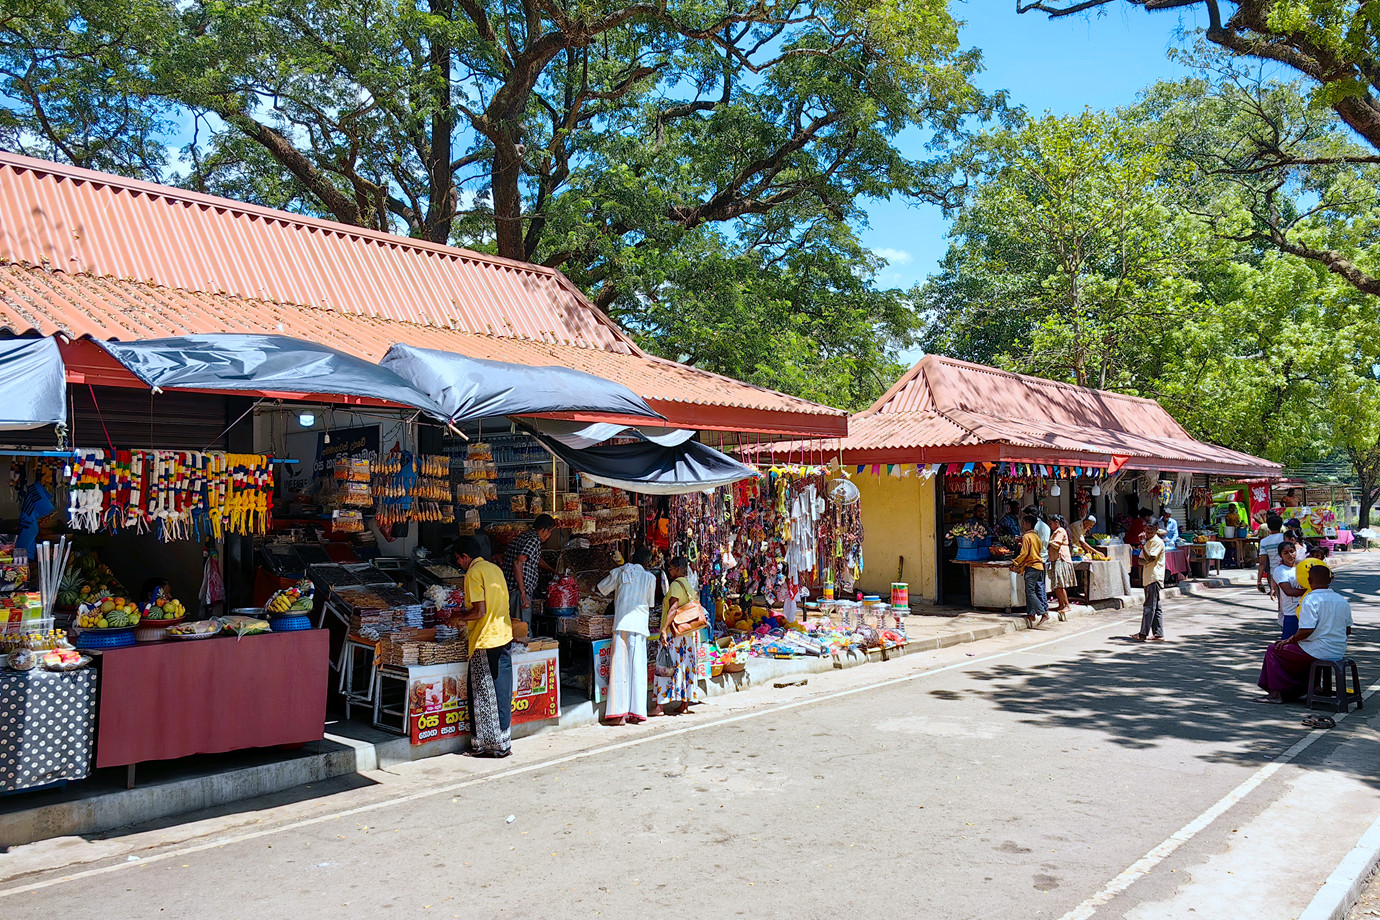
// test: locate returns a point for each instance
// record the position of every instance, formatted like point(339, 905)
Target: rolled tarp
point(33, 384)
point(473, 388)
point(649, 468)
point(263, 363)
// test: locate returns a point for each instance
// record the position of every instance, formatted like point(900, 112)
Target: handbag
point(688, 618)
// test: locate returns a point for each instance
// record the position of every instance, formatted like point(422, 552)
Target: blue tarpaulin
point(33, 384)
point(263, 363)
point(473, 388)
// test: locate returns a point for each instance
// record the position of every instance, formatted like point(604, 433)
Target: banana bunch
point(297, 599)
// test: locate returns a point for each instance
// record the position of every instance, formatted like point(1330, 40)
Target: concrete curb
point(1343, 887)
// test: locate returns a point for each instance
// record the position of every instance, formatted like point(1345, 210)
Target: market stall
point(949, 436)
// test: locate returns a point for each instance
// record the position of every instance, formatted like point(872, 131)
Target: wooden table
point(1237, 546)
point(995, 586)
point(1102, 580)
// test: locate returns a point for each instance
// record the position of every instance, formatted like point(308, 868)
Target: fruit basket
point(88, 639)
point(108, 613)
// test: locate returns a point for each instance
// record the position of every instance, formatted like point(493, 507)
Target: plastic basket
point(290, 623)
point(104, 639)
point(973, 553)
point(562, 611)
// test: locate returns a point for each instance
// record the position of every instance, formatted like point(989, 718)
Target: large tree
point(1335, 46)
point(613, 139)
point(1069, 248)
point(1099, 249)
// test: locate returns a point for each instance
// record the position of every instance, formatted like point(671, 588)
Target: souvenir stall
point(950, 435)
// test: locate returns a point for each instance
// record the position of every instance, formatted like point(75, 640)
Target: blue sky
point(1058, 66)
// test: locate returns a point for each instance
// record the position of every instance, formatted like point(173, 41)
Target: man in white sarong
point(634, 591)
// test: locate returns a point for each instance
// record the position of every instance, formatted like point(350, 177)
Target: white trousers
point(628, 677)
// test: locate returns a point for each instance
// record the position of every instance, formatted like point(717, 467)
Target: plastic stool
point(1342, 698)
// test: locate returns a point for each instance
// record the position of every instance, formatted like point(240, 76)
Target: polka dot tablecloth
point(47, 723)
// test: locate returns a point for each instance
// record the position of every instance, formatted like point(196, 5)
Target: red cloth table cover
point(1176, 562)
point(207, 696)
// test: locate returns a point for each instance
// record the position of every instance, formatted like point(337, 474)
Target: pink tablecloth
point(1176, 562)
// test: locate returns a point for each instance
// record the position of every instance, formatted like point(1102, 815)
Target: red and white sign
point(438, 703)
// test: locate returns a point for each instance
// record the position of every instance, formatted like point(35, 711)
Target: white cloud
point(894, 256)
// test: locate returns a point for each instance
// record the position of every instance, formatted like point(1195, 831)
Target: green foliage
point(622, 143)
point(1111, 249)
point(60, 96)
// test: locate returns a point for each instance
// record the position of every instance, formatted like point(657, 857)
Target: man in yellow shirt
point(490, 646)
point(1030, 565)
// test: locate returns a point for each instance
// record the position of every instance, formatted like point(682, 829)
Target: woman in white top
point(634, 591)
point(1324, 625)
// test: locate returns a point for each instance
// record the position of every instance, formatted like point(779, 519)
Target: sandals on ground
point(1320, 722)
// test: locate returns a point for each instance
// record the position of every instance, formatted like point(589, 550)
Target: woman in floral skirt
point(675, 691)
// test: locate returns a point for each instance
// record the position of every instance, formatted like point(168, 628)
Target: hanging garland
point(180, 495)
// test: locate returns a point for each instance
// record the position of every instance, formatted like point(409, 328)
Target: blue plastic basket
point(104, 639)
point(560, 611)
point(290, 623)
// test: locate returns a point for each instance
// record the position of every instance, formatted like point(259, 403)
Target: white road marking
point(1138, 869)
point(530, 768)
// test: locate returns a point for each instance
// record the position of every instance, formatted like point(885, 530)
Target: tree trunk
point(441, 193)
point(507, 192)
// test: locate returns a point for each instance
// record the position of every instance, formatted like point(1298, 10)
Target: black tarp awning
point(33, 384)
point(649, 468)
point(474, 388)
point(262, 363)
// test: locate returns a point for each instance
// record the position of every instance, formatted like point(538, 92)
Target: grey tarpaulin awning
point(587, 434)
point(262, 363)
point(473, 388)
point(650, 468)
point(33, 384)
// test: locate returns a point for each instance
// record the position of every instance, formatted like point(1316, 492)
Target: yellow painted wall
point(898, 521)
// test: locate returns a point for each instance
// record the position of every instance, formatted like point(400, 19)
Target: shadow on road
point(1195, 687)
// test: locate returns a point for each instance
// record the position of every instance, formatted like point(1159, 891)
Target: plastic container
point(900, 594)
point(292, 623)
point(562, 611)
point(104, 639)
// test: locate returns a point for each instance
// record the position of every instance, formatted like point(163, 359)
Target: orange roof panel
point(50, 302)
point(944, 410)
point(75, 220)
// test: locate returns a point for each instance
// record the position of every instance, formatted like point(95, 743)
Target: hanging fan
point(844, 492)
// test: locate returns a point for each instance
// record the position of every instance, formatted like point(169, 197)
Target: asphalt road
point(1055, 773)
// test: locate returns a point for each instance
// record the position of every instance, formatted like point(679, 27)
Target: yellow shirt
point(485, 582)
point(680, 593)
point(1031, 550)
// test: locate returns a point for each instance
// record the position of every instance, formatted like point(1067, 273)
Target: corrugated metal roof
point(943, 410)
point(75, 220)
point(49, 302)
point(946, 384)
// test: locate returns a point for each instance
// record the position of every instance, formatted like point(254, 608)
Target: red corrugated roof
point(50, 302)
point(75, 220)
point(99, 255)
point(944, 410)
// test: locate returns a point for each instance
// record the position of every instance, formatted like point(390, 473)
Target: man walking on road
point(1030, 563)
point(1152, 580)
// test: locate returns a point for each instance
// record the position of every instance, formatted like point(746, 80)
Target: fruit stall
point(86, 642)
